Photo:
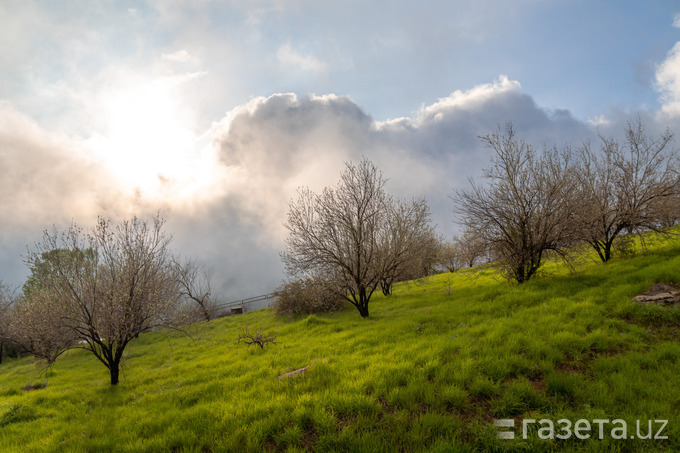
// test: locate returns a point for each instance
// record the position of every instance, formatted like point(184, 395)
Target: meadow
point(431, 369)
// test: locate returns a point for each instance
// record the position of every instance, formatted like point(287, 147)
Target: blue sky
point(389, 57)
point(215, 112)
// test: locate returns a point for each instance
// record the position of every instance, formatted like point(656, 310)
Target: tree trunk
point(114, 367)
point(363, 310)
point(608, 251)
point(386, 288)
point(1, 348)
point(603, 250)
point(363, 303)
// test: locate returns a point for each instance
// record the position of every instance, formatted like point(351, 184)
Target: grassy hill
point(431, 369)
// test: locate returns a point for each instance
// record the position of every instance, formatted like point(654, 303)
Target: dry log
point(293, 373)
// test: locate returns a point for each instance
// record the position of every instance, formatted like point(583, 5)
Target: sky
point(214, 113)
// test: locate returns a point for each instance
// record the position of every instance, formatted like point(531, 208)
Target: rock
point(661, 294)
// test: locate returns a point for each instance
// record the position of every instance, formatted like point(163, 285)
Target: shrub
point(306, 297)
point(256, 338)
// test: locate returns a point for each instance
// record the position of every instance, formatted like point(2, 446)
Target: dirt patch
point(34, 386)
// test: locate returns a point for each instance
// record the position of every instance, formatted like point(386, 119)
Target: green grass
point(431, 369)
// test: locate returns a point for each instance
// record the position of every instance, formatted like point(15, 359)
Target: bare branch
point(195, 286)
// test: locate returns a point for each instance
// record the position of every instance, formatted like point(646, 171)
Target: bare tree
point(472, 248)
point(195, 285)
point(36, 328)
point(461, 252)
point(354, 235)
point(525, 208)
point(449, 255)
point(34, 323)
point(7, 298)
point(628, 187)
point(338, 232)
point(409, 245)
point(668, 210)
point(258, 337)
point(113, 284)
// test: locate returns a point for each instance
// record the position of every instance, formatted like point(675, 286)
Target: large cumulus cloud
point(274, 145)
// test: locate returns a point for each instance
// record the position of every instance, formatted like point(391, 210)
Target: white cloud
point(51, 178)
point(599, 120)
point(470, 98)
point(668, 82)
point(676, 20)
point(273, 145)
point(289, 57)
point(181, 56)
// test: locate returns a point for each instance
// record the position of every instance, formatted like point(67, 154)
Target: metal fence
point(245, 305)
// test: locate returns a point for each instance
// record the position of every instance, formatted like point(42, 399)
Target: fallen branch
point(293, 373)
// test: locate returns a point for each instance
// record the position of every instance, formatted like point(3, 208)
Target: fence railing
point(246, 305)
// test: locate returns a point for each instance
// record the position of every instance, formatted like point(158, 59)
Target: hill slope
point(431, 369)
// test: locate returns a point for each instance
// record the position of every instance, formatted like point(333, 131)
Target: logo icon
point(505, 423)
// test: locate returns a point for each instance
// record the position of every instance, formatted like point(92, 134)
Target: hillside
point(431, 369)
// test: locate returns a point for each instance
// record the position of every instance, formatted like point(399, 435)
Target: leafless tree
point(338, 233)
point(195, 285)
point(449, 255)
point(114, 283)
point(526, 207)
point(668, 209)
point(258, 338)
point(35, 327)
point(472, 248)
point(7, 298)
point(409, 245)
point(353, 234)
point(627, 187)
point(461, 252)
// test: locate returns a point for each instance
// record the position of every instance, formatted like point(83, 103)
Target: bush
point(306, 297)
point(256, 338)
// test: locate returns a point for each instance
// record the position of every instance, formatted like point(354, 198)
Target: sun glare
point(149, 146)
